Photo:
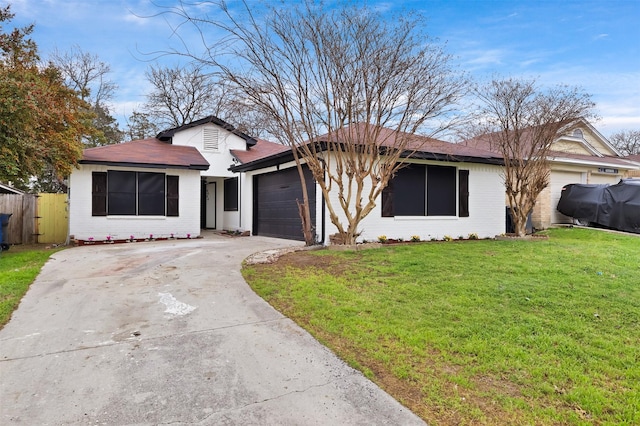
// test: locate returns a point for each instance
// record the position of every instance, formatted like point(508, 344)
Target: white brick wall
point(219, 160)
point(486, 210)
point(84, 226)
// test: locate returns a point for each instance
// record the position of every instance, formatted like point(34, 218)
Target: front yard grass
point(480, 332)
point(19, 266)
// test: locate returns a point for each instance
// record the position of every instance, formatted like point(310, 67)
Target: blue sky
point(589, 43)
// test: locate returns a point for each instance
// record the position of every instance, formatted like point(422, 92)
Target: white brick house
point(447, 190)
point(222, 179)
point(136, 190)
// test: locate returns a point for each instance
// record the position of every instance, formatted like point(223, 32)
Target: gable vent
point(210, 139)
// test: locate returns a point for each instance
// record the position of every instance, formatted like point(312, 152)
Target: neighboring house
point(635, 159)
point(6, 189)
point(139, 188)
point(580, 155)
point(447, 189)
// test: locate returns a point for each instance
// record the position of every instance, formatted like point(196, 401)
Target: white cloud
point(484, 57)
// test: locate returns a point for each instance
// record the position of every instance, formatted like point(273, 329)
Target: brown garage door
point(275, 211)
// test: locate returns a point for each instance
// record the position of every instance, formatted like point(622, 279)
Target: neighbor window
point(425, 190)
point(125, 193)
point(231, 194)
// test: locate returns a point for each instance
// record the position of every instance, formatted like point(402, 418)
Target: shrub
point(447, 238)
point(382, 239)
point(415, 238)
point(473, 236)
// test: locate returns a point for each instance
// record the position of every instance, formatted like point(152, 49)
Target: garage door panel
point(275, 207)
point(604, 179)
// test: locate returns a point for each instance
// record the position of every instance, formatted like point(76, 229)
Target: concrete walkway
point(169, 333)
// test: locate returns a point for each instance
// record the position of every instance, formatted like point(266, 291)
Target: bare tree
point(86, 74)
point(180, 95)
point(522, 120)
point(626, 141)
point(331, 81)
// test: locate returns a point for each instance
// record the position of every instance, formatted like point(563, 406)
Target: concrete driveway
point(169, 332)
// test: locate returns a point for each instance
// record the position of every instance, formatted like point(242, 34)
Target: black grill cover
point(612, 206)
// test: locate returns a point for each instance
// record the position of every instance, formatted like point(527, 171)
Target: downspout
point(240, 200)
point(68, 239)
point(324, 219)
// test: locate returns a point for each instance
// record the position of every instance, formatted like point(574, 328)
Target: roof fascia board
point(144, 165)
point(590, 163)
point(287, 156)
point(167, 135)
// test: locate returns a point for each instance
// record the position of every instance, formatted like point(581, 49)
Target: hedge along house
point(140, 189)
point(445, 190)
point(579, 155)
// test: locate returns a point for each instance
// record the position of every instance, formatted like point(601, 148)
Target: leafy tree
point(87, 75)
point(42, 122)
point(139, 126)
point(627, 142)
point(521, 120)
point(345, 72)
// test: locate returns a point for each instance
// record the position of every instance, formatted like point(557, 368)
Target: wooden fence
point(41, 218)
point(53, 218)
point(22, 223)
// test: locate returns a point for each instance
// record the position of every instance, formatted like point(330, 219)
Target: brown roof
point(609, 160)
point(146, 153)
point(635, 157)
point(419, 143)
point(262, 149)
point(266, 153)
point(488, 142)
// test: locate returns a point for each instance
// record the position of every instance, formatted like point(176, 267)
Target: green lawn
point(480, 332)
point(19, 266)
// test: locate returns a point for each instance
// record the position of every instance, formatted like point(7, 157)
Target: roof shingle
point(146, 153)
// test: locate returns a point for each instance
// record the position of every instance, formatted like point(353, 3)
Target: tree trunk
point(307, 228)
point(519, 219)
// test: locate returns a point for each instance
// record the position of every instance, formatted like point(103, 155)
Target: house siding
point(486, 212)
point(84, 226)
point(597, 143)
point(486, 207)
point(219, 160)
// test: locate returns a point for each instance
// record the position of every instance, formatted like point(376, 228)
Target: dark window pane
point(231, 194)
point(99, 194)
point(172, 196)
point(441, 191)
point(409, 191)
point(151, 195)
point(122, 193)
point(463, 193)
